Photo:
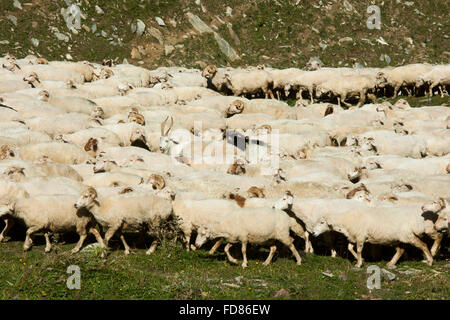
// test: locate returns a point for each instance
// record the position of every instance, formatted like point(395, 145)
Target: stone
point(345, 39)
point(160, 21)
point(233, 34)
point(135, 54)
point(226, 48)
point(387, 275)
point(228, 12)
point(156, 34)
point(326, 274)
point(69, 57)
point(140, 27)
point(17, 4)
point(99, 10)
point(94, 28)
point(281, 293)
point(168, 49)
point(13, 19)
point(61, 36)
point(198, 24)
point(347, 6)
point(35, 42)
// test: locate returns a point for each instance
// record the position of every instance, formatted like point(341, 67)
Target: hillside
point(277, 33)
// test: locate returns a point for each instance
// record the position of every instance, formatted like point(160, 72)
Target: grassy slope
point(172, 273)
point(264, 32)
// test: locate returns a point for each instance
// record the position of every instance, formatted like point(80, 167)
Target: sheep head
point(137, 118)
point(98, 112)
point(236, 107)
point(138, 134)
point(286, 201)
point(126, 190)
point(43, 95)
point(360, 193)
point(237, 168)
point(329, 110)
point(7, 152)
point(87, 200)
point(255, 192)
point(166, 193)
point(165, 142)
point(70, 84)
point(436, 212)
point(402, 104)
point(91, 146)
point(209, 71)
point(32, 78)
point(104, 165)
point(381, 79)
point(321, 227)
point(15, 173)
point(157, 182)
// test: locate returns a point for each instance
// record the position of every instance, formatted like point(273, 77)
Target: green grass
point(173, 273)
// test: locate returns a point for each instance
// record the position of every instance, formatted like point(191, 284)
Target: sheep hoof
point(26, 248)
point(74, 250)
point(127, 252)
point(244, 265)
point(47, 250)
point(265, 264)
point(193, 248)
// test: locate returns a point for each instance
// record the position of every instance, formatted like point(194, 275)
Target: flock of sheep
point(89, 147)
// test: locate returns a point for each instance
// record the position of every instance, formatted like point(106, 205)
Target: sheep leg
point(440, 89)
point(271, 94)
point(339, 100)
point(436, 244)
point(352, 251)
point(152, 247)
point(125, 244)
point(290, 244)
point(422, 246)
point(28, 241)
point(216, 246)
point(396, 89)
point(270, 256)
point(311, 95)
point(227, 251)
point(110, 232)
point(83, 236)
point(97, 236)
point(362, 98)
point(48, 243)
point(300, 94)
point(431, 89)
point(408, 91)
point(187, 239)
point(278, 94)
point(8, 225)
point(244, 254)
point(328, 238)
point(359, 248)
point(308, 245)
point(397, 255)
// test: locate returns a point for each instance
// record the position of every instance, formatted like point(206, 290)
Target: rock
point(34, 42)
point(140, 27)
point(94, 28)
point(347, 6)
point(387, 275)
point(173, 22)
point(239, 279)
point(133, 27)
point(68, 56)
point(323, 46)
point(157, 34)
point(17, 4)
point(99, 10)
point(228, 12)
point(345, 39)
point(447, 266)
point(135, 54)
point(4, 42)
point(13, 19)
point(198, 24)
point(61, 36)
point(315, 30)
point(86, 28)
point(281, 293)
point(168, 49)
point(326, 274)
point(104, 34)
point(387, 59)
point(382, 41)
point(160, 21)
point(91, 247)
point(226, 48)
point(393, 267)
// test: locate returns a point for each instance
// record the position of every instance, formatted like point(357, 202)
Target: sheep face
point(285, 203)
point(87, 199)
point(98, 112)
point(235, 108)
point(15, 174)
point(321, 227)
point(434, 206)
point(166, 193)
point(209, 71)
point(381, 80)
point(6, 207)
point(7, 152)
point(44, 95)
point(203, 235)
point(138, 135)
point(156, 181)
point(104, 166)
